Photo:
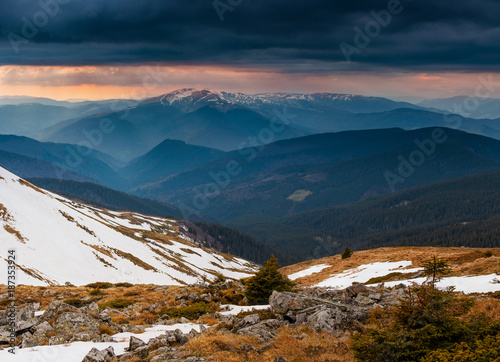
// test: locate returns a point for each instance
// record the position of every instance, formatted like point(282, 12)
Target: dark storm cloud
point(291, 35)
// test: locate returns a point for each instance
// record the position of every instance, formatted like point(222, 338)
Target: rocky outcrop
point(318, 313)
point(77, 326)
point(333, 311)
point(162, 348)
point(106, 355)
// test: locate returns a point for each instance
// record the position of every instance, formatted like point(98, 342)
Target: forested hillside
point(462, 212)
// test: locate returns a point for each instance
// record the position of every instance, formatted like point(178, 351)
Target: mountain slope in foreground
point(474, 270)
point(58, 241)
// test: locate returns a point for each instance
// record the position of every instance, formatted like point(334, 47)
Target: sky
point(98, 49)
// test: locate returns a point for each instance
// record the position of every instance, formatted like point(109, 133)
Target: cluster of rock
point(323, 310)
point(161, 348)
point(332, 310)
point(62, 323)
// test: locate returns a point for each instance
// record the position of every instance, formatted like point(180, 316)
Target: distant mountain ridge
point(474, 107)
point(225, 120)
point(65, 159)
point(334, 168)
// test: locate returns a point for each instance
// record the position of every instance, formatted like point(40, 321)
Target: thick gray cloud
point(292, 35)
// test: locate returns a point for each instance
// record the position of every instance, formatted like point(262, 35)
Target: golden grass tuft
point(119, 318)
point(104, 329)
point(131, 359)
point(208, 320)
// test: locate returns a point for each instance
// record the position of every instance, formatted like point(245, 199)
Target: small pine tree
point(260, 287)
point(435, 268)
point(347, 253)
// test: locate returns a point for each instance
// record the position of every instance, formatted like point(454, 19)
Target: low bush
point(99, 285)
point(191, 312)
point(347, 253)
point(75, 302)
point(96, 292)
point(124, 285)
point(119, 303)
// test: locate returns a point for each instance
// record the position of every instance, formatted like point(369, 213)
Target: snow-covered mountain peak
point(59, 240)
point(177, 95)
point(190, 99)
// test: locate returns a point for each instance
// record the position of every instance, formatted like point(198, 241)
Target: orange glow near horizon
point(134, 82)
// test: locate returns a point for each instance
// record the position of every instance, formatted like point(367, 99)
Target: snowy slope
point(465, 284)
point(58, 241)
point(363, 273)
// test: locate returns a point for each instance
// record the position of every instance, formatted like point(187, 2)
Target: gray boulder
point(135, 343)
point(55, 309)
point(92, 308)
point(44, 327)
point(356, 289)
point(70, 323)
point(106, 355)
point(249, 320)
point(264, 331)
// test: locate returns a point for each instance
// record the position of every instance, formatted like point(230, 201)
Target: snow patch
point(364, 273)
point(467, 284)
point(309, 271)
point(236, 309)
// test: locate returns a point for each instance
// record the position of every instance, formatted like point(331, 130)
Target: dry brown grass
point(27, 184)
point(4, 213)
point(303, 344)
point(222, 347)
point(131, 358)
point(14, 232)
point(143, 295)
point(294, 344)
point(465, 261)
point(104, 329)
point(488, 307)
point(100, 250)
point(67, 217)
point(135, 260)
point(208, 320)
